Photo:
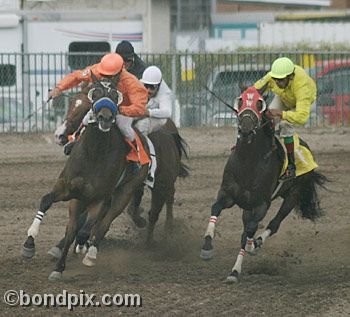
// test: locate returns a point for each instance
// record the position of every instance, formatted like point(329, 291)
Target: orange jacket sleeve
point(75, 78)
point(135, 95)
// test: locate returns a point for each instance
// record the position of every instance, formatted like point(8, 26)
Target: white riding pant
point(285, 128)
point(124, 124)
point(149, 125)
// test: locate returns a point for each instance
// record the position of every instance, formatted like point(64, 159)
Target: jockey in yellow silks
point(295, 94)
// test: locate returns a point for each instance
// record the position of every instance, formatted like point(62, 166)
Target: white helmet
point(152, 75)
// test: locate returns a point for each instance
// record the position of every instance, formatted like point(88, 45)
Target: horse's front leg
point(46, 202)
point(56, 251)
point(251, 219)
point(120, 199)
point(223, 201)
point(75, 209)
point(95, 213)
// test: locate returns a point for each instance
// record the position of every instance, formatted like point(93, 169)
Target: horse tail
point(309, 205)
point(182, 147)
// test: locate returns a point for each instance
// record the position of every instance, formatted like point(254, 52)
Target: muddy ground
point(304, 270)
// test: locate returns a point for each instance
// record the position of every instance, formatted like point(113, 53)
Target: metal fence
point(26, 78)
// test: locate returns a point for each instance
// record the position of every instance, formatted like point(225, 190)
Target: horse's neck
point(254, 150)
point(98, 143)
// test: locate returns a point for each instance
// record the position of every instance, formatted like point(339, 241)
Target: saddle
point(304, 161)
point(138, 154)
point(143, 156)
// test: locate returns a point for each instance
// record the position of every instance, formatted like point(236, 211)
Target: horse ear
point(242, 87)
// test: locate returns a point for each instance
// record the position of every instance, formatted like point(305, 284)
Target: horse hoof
point(87, 261)
point(55, 252)
point(28, 253)
point(55, 276)
point(232, 278)
point(90, 257)
point(80, 249)
point(207, 254)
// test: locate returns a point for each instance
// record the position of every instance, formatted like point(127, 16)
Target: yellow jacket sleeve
point(297, 97)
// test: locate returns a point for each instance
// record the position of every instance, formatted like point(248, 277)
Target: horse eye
point(259, 105)
point(114, 96)
point(97, 94)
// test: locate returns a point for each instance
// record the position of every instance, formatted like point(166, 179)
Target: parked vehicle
point(31, 62)
point(227, 82)
point(333, 100)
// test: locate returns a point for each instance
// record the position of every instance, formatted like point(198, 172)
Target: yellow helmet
point(282, 67)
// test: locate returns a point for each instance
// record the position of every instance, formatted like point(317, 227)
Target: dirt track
point(304, 270)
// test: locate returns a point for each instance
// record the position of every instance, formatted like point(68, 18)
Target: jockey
point(159, 106)
point(132, 62)
point(295, 94)
point(134, 93)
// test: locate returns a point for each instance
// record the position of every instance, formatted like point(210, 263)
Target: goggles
point(151, 86)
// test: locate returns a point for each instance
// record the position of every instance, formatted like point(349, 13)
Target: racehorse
point(79, 105)
point(96, 177)
point(251, 180)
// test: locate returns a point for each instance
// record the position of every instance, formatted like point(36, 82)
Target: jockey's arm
point(71, 80)
point(164, 97)
point(137, 95)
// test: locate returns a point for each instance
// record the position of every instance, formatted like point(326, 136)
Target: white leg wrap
point(211, 227)
point(92, 253)
point(238, 265)
point(34, 228)
point(80, 249)
point(90, 257)
point(249, 246)
point(265, 235)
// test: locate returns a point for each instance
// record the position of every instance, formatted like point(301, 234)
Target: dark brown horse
point(251, 180)
point(96, 177)
point(79, 105)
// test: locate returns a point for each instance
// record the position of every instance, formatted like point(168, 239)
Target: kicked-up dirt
point(303, 270)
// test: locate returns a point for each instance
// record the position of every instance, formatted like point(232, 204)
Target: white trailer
point(36, 52)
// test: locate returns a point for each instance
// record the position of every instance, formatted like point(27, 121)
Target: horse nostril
point(63, 139)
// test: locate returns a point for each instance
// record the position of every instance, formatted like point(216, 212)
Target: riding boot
point(135, 166)
point(291, 168)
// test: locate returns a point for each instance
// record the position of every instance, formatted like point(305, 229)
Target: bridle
point(250, 107)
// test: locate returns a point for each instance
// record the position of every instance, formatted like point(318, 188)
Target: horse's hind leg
point(273, 226)
point(169, 220)
point(134, 209)
point(75, 209)
point(223, 201)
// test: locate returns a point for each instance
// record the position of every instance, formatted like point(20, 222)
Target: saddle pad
point(152, 165)
point(139, 155)
point(304, 160)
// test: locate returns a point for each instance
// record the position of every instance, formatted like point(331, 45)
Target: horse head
point(78, 106)
point(105, 100)
point(250, 107)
